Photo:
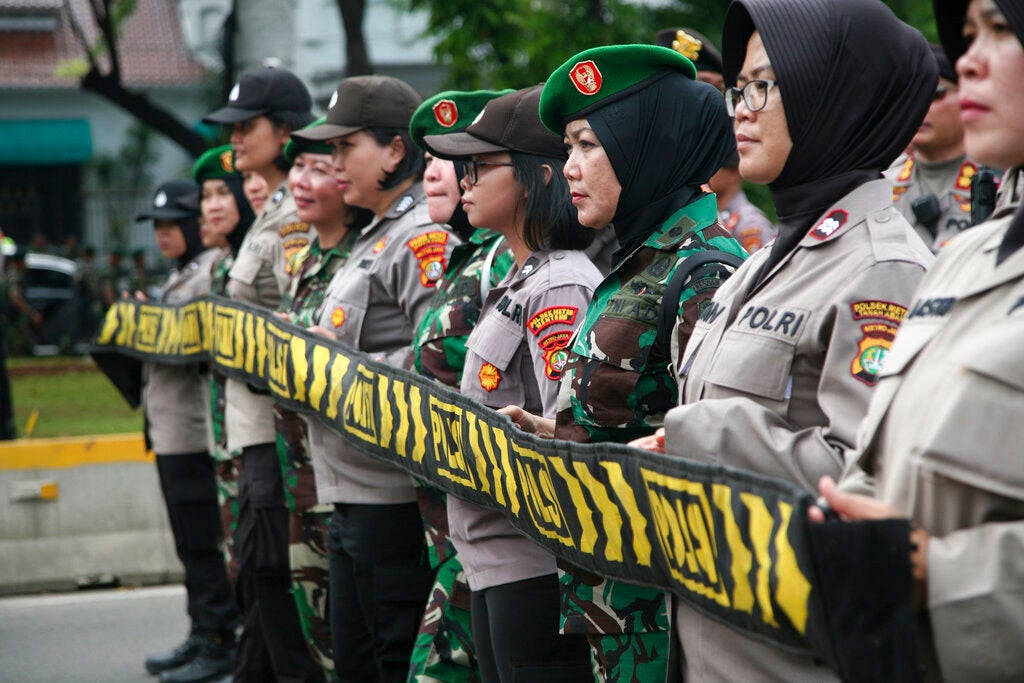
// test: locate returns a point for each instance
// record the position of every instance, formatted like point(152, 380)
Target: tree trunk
point(145, 111)
point(357, 61)
point(264, 30)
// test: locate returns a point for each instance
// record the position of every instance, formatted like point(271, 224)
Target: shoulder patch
point(290, 228)
point(429, 249)
point(881, 310)
point(565, 315)
point(489, 376)
point(556, 354)
point(295, 261)
point(872, 349)
point(830, 224)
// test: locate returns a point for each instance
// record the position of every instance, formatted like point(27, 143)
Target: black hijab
point(855, 82)
point(245, 212)
point(664, 141)
point(459, 221)
point(949, 17)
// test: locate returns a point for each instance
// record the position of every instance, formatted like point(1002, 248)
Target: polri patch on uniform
point(429, 249)
point(447, 113)
point(830, 224)
point(553, 315)
point(338, 316)
point(881, 310)
point(489, 376)
point(556, 354)
point(872, 350)
point(292, 228)
point(293, 246)
point(586, 77)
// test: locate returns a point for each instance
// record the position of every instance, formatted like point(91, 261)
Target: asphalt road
point(97, 636)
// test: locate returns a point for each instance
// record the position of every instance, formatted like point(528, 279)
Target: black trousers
point(380, 580)
point(190, 493)
point(515, 630)
point(272, 647)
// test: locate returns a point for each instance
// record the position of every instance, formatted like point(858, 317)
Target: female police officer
point(263, 108)
point(943, 432)
point(174, 400)
point(779, 369)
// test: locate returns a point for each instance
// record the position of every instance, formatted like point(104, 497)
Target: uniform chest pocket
point(755, 364)
point(998, 355)
point(496, 341)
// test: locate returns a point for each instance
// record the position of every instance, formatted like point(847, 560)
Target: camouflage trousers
point(626, 625)
point(443, 652)
point(307, 554)
point(227, 474)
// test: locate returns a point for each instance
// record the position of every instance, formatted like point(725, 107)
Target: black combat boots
point(179, 656)
point(214, 660)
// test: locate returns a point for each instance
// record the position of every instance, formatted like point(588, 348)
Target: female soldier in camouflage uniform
point(514, 185)
point(639, 166)
point(318, 202)
point(226, 218)
point(444, 646)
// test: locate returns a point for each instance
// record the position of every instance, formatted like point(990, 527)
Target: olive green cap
point(601, 75)
point(216, 162)
point(297, 145)
point(449, 112)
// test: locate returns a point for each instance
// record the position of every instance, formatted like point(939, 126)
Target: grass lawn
point(72, 397)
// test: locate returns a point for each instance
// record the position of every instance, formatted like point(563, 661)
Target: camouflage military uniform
point(444, 647)
point(225, 462)
point(311, 269)
point(617, 387)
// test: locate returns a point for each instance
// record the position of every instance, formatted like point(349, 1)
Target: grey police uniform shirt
point(951, 187)
point(176, 397)
point(259, 276)
point(747, 224)
point(374, 303)
point(943, 437)
point(777, 376)
point(514, 356)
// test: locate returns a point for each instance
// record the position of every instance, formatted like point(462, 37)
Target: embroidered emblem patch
point(967, 172)
point(338, 316)
point(446, 112)
point(291, 228)
point(293, 246)
point(160, 199)
point(872, 350)
point(586, 77)
point(832, 222)
point(555, 353)
point(687, 45)
point(907, 170)
point(379, 247)
point(882, 310)
point(563, 315)
point(227, 161)
point(429, 249)
point(489, 376)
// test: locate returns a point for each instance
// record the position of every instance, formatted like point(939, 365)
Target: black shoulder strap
point(670, 300)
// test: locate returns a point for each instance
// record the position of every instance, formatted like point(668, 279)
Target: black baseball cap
point(166, 203)
point(264, 91)
point(363, 102)
point(508, 123)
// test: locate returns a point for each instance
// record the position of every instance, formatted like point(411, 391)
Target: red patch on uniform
point(554, 315)
point(906, 170)
point(897, 192)
point(446, 112)
point(586, 77)
point(227, 161)
point(830, 224)
point(967, 172)
point(338, 316)
point(489, 376)
point(556, 355)
point(429, 249)
point(872, 350)
point(879, 310)
point(379, 247)
point(751, 239)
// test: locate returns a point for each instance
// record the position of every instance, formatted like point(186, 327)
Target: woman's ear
point(547, 173)
point(396, 152)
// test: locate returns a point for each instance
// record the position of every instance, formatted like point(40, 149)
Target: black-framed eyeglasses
point(940, 92)
point(754, 94)
point(473, 168)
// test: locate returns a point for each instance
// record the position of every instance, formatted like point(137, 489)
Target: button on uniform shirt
point(777, 376)
point(258, 276)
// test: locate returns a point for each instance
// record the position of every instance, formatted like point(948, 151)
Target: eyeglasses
point(940, 92)
point(473, 169)
point(754, 94)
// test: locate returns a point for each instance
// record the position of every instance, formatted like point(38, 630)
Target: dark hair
point(291, 121)
point(551, 220)
point(411, 165)
point(358, 217)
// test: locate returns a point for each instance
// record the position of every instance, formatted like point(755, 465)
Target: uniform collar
point(410, 198)
point(848, 212)
point(697, 214)
point(529, 268)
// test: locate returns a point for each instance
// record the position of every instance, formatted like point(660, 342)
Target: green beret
point(600, 76)
point(297, 145)
point(449, 112)
point(216, 162)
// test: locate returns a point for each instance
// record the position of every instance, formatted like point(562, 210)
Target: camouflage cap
point(449, 112)
point(216, 162)
point(297, 145)
point(601, 75)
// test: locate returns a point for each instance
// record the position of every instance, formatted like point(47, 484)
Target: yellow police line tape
point(733, 544)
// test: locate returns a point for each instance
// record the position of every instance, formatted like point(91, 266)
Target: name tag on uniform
point(784, 322)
